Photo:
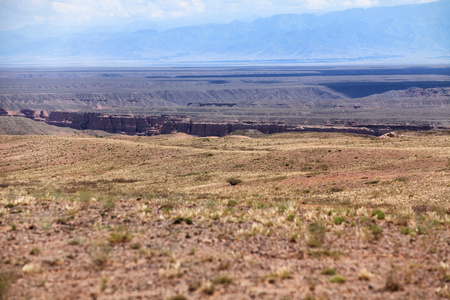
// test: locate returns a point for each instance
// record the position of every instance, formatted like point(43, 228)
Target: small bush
point(136, 246)
point(231, 203)
point(337, 279)
point(336, 189)
point(406, 231)
point(35, 251)
point(380, 214)
point(120, 235)
point(393, 283)
point(293, 238)
point(209, 289)
point(224, 279)
point(317, 233)
point(234, 181)
point(290, 217)
point(328, 271)
point(376, 231)
point(338, 220)
point(99, 253)
point(421, 229)
point(194, 285)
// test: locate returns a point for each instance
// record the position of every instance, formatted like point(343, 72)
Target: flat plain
point(285, 216)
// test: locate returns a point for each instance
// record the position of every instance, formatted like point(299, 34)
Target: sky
point(165, 13)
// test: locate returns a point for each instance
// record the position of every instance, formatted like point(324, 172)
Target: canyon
point(149, 125)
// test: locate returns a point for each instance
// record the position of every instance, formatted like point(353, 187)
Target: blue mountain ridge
point(416, 31)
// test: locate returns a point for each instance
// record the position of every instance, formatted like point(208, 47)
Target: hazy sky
point(17, 13)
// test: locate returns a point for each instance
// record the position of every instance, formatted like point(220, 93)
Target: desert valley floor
point(283, 216)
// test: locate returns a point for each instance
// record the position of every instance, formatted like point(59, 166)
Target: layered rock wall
point(155, 125)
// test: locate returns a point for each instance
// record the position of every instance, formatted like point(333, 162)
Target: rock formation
point(165, 124)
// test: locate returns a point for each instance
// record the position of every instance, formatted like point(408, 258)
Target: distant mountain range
point(415, 33)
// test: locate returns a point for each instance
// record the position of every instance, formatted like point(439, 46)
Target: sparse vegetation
point(328, 271)
point(120, 235)
point(99, 253)
point(338, 279)
point(222, 278)
point(316, 234)
point(338, 220)
point(6, 278)
point(139, 209)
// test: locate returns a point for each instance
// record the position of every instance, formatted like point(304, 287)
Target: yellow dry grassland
point(285, 216)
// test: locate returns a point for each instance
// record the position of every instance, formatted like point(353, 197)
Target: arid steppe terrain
point(249, 216)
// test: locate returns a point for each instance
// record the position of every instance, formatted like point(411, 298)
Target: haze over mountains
point(409, 33)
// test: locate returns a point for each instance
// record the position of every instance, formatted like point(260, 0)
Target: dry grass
point(307, 203)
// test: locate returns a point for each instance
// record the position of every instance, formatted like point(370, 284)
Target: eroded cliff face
point(164, 124)
point(128, 124)
point(154, 125)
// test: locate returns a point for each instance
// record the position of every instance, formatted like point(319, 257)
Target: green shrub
point(406, 231)
point(337, 279)
point(328, 271)
point(338, 220)
point(379, 213)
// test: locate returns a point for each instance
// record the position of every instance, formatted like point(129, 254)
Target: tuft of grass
point(136, 246)
point(338, 279)
point(194, 285)
point(336, 189)
point(365, 275)
point(293, 238)
point(232, 203)
point(406, 231)
point(223, 278)
point(376, 231)
point(209, 289)
point(120, 235)
point(316, 236)
point(328, 271)
point(290, 217)
point(104, 284)
point(84, 196)
point(99, 253)
point(325, 253)
point(224, 265)
point(421, 229)
point(281, 273)
point(393, 283)
point(35, 251)
point(379, 213)
point(338, 220)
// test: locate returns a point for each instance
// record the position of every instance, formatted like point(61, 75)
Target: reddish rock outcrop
point(155, 125)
